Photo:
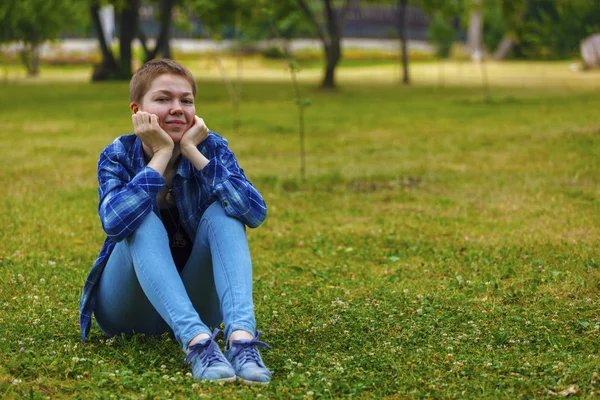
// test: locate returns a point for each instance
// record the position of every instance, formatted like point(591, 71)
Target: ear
point(133, 106)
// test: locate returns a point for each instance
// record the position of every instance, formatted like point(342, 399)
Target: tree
point(127, 15)
point(402, 33)
point(34, 22)
point(301, 103)
point(110, 67)
point(165, 17)
point(218, 17)
point(442, 34)
point(475, 34)
point(330, 36)
point(554, 28)
point(511, 20)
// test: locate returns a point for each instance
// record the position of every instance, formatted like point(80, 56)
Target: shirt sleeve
point(124, 200)
point(223, 178)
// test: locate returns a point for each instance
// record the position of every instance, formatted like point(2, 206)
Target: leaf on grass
point(583, 324)
point(393, 258)
point(573, 389)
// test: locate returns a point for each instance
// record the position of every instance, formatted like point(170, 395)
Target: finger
point(146, 119)
point(154, 121)
point(137, 120)
point(200, 122)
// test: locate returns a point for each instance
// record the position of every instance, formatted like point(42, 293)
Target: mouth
point(175, 123)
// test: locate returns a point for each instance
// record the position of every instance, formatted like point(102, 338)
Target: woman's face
point(170, 97)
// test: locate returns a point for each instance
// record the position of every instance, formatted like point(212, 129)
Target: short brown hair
point(142, 79)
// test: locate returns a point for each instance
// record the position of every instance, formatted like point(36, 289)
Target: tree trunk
point(475, 39)
point(166, 13)
point(30, 57)
point(166, 49)
point(162, 41)
point(108, 68)
point(503, 48)
point(128, 28)
point(332, 54)
point(35, 59)
point(402, 33)
point(333, 47)
point(331, 40)
point(25, 58)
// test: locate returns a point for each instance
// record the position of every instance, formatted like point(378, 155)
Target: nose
point(176, 107)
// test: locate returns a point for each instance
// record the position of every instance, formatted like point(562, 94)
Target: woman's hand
point(190, 141)
point(146, 127)
point(194, 136)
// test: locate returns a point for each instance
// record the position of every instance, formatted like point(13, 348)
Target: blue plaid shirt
point(129, 191)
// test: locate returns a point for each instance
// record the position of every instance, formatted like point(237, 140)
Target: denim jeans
point(141, 291)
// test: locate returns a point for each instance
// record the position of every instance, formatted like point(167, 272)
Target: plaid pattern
point(128, 192)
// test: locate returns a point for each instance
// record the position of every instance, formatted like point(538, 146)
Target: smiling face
point(171, 98)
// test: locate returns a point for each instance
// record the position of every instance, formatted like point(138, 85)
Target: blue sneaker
point(246, 361)
point(208, 363)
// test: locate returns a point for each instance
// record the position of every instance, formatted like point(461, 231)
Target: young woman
point(174, 204)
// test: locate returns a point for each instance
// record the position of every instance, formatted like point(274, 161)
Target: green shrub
point(274, 52)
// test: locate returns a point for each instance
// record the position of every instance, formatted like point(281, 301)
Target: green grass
point(442, 246)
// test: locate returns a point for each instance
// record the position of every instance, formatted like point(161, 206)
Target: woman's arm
point(223, 178)
point(124, 200)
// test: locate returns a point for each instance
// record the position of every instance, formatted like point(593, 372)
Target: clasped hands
point(146, 126)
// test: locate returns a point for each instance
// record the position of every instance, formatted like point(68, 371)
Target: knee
point(150, 225)
point(216, 212)
point(215, 219)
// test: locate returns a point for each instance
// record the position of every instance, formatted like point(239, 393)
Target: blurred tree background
point(514, 29)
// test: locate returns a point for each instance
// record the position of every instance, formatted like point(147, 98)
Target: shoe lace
point(247, 350)
point(208, 350)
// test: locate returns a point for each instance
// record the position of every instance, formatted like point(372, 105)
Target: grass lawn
point(442, 246)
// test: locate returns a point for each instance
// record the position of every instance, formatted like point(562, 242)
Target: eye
point(187, 101)
point(162, 99)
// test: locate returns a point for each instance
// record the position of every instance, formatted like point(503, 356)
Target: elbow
point(257, 218)
point(113, 230)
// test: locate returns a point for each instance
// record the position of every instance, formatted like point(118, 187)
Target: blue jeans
point(141, 291)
